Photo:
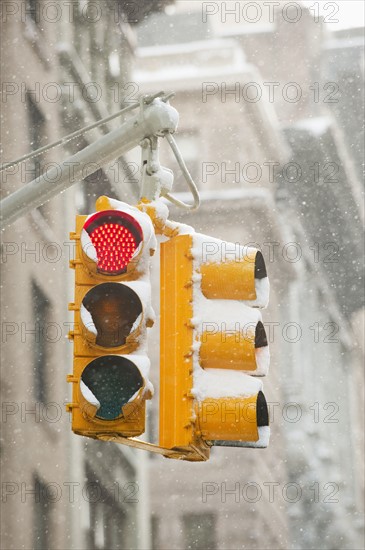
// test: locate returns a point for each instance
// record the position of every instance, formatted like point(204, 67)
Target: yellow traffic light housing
point(212, 336)
point(111, 313)
point(210, 341)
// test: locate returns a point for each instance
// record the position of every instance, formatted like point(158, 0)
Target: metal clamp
point(156, 180)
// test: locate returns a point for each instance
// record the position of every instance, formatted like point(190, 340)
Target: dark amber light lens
point(114, 308)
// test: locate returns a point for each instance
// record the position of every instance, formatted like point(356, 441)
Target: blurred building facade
point(256, 118)
point(34, 428)
point(59, 490)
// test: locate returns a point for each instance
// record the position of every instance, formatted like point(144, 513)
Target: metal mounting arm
point(156, 119)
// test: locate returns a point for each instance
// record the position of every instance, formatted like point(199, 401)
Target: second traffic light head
point(212, 337)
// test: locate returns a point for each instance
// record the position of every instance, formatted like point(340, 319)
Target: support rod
point(158, 118)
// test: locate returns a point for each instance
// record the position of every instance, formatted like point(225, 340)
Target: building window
point(42, 515)
point(109, 525)
point(32, 10)
point(155, 528)
point(152, 424)
point(41, 309)
point(199, 531)
point(36, 129)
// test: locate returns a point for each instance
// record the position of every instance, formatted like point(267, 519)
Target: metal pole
point(158, 118)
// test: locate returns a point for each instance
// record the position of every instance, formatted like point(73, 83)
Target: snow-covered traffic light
point(212, 339)
point(112, 311)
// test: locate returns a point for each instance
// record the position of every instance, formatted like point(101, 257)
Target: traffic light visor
point(110, 313)
point(109, 383)
point(112, 239)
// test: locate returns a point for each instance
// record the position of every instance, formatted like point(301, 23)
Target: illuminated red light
point(116, 236)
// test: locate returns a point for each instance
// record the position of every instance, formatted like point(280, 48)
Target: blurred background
point(270, 97)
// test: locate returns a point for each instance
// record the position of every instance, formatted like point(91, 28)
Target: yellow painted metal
point(84, 420)
point(222, 350)
point(229, 419)
point(177, 418)
point(161, 225)
point(176, 406)
point(232, 280)
point(103, 203)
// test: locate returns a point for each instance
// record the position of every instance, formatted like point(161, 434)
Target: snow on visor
point(110, 312)
point(109, 382)
point(111, 239)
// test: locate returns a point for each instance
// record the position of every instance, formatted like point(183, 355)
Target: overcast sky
point(350, 13)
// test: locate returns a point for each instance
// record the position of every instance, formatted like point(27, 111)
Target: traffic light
point(212, 339)
point(112, 310)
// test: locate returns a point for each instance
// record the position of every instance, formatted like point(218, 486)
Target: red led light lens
point(115, 236)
